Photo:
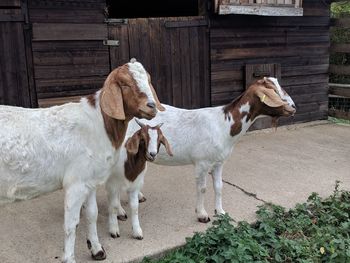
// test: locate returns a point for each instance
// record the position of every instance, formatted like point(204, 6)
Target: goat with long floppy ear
point(164, 141)
point(112, 99)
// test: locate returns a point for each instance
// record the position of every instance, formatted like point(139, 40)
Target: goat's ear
point(112, 100)
point(158, 105)
point(133, 143)
point(166, 144)
point(269, 97)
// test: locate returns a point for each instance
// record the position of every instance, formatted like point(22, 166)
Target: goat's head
point(147, 141)
point(273, 100)
point(128, 92)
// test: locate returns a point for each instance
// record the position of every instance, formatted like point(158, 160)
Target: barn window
point(259, 7)
point(154, 8)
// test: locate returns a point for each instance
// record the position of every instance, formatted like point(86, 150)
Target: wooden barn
point(198, 52)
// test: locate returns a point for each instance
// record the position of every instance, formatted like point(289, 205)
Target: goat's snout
point(151, 156)
point(151, 105)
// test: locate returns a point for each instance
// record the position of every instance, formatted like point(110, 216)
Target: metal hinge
point(116, 21)
point(110, 42)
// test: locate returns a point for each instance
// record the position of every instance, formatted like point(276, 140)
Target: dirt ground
point(282, 167)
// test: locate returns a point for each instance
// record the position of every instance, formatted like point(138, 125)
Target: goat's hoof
point(122, 217)
point(139, 237)
point(101, 255)
point(88, 242)
point(142, 199)
point(115, 235)
point(221, 212)
point(204, 220)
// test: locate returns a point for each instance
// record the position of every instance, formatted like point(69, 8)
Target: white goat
point(129, 174)
point(206, 137)
point(74, 146)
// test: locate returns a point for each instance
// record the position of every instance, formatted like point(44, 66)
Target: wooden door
point(175, 51)
point(16, 77)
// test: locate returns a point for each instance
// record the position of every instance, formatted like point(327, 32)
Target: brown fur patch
point(115, 129)
point(92, 100)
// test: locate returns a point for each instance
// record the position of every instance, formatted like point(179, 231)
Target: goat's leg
point(91, 211)
point(217, 184)
point(201, 183)
point(134, 205)
point(75, 195)
point(114, 207)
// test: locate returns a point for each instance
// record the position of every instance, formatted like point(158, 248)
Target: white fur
point(118, 183)
point(282, 94)
point(139, 74)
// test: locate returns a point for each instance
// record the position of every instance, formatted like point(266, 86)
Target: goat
point(74, 146)
point(129, 174)
point(206, 137)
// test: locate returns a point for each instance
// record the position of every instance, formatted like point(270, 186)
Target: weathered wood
point(11, 18)
point(186, 23)
point(339, 89)
point(14, 86)
point(260, 10)
point(120, 54)
point(10, 3)
point(44, 103)
point(63, 31)
point(339, 114)
point(339, 69)
point(254, 72)
point(66, 15)
point(341, 22)
point(341, 48)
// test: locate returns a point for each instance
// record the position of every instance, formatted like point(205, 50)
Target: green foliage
point(340, 9)
point(315, 231)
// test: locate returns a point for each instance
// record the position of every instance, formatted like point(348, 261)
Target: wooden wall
point(68, 52)
point(299, 44)
point(16, 78)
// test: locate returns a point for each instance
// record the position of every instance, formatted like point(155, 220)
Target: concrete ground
point(283, 167)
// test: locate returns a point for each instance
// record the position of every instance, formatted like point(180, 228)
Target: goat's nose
point(153, 154)
point(152, 105)
point(294, 107)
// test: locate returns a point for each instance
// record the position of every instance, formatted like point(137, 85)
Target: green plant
point(315, 231)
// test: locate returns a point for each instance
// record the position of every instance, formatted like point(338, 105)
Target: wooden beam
point(339, 114)
point(10, 3)
point(11, 17)
point(339, 89)
point(341, 22)
point(341, 48)
point(260, 10)
point(65, 31)
point(339, 69)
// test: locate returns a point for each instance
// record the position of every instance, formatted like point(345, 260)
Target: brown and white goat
point(206, 137)
point(129, 174)
point(74, 146)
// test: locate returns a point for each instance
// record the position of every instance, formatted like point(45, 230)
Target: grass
point(337, 120)
point(315, 231)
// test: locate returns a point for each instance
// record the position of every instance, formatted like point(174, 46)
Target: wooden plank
point(185, 69)
point(10, 3)
point(44, 103)
point(71, 70)
point(11, 18)
point(66, 15)
point(260, 10)
point(65, 31)
point(339, 69)
point(244, 53)
point(175, 67)
point(341, 48)
point(195, 74)
point(339, 114)
point(67, 4)
point(341, 22)
point(186, 23)
point(119, 54)
point(339, 89)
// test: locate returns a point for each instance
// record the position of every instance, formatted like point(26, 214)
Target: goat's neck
point(115, 129)
point(135, 164)
point(242, 113)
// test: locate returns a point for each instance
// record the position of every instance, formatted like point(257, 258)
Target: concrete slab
point(283, 167)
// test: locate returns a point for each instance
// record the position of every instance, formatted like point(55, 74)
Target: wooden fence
point(339, 94)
